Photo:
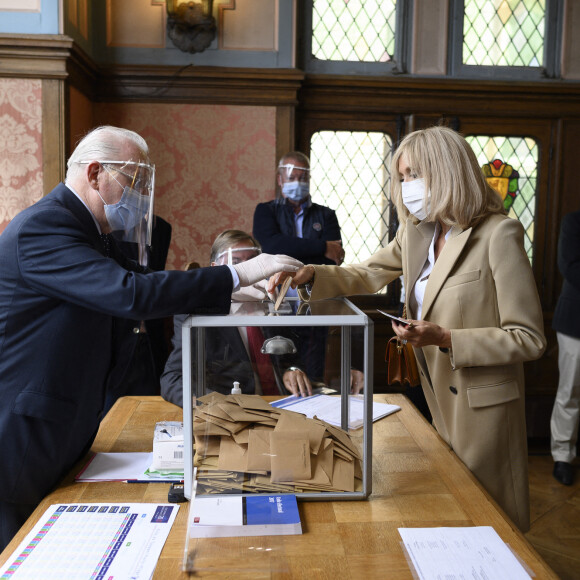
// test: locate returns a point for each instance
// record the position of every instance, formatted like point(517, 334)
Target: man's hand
point(263, 266)
point(302, 276)
point(254, 293)
point(334, 252)
point(297, 382)
point(357, 381)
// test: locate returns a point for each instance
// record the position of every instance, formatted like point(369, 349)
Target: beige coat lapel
point(418, 239)
point(443, 266)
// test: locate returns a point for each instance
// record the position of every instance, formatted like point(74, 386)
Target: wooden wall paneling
point(403, 95)
point(54, 132)
point(285, 130)
point(200, 85)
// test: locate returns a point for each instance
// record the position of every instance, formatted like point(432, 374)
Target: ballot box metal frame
point(292, 313)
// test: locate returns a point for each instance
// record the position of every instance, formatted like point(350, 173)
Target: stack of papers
point(229, 516)
point(477, 552)
point(243, 445)
point(328, 408)
point(165, 464)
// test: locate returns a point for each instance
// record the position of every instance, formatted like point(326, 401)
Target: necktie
point(261, 362)
point(106, 244)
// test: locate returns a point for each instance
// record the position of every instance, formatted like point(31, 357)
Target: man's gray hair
point(103, 143)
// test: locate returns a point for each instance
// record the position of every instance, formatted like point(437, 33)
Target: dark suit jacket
point(137, 368)
point(275, 230)
point(58, 296)
point(226, 361)
point(567, 313)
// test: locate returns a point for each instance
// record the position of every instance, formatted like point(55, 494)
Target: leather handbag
point(401, 361)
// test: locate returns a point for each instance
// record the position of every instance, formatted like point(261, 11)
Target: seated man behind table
point(228, 357)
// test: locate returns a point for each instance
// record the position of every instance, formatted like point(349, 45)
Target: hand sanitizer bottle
point(236, 388)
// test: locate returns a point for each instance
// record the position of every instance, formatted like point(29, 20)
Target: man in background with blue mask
point(293, 224)
point(296, 226)
point(63, 281)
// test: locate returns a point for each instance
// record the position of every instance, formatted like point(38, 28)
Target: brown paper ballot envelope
point(343, 475)
point(252, 402)
point(325, 458)
point(237, 413)
point(230, 426)
point(233, 457)
point(290, 456)
point(290, 421)
point(207, 445)
point(205, 429)
point(259, 450)
point(212, 398)
point(217, 410)
point(344, 438)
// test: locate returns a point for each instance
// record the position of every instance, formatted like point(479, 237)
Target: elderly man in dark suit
point(61, 285)
point(566, 323)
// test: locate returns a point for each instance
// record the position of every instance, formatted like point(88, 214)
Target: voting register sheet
point(476, 553)
point(93, 541)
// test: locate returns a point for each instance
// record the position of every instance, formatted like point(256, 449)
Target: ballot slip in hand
point(397, 319)
point(225, 516)
point(283, 291)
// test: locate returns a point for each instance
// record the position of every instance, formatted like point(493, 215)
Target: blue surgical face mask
point(128, 212)
point(413, 193)
point(296, 190)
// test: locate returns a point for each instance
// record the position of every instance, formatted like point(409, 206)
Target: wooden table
point(417, 482)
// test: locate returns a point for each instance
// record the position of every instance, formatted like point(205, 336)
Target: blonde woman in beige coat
point(471, 298)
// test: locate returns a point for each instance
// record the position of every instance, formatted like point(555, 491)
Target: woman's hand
point(302, 276)
point(422, 333)
point(297, 382)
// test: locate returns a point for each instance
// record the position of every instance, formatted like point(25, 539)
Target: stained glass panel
point(521, 153)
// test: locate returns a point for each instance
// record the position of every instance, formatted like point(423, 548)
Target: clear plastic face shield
point(131, 218)
point(294, 182)
point(233, 256)
point(292, 172)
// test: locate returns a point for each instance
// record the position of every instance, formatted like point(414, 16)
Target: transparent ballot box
point(247, 444)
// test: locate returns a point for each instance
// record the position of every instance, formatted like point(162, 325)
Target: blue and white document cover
point(229, 516)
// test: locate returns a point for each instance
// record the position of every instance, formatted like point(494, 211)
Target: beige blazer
point(482, 289)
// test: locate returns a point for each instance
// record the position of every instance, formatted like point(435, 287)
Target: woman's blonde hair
point(460, 195)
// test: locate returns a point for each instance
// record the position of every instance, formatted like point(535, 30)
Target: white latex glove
point(254, 293)
point(263, 266)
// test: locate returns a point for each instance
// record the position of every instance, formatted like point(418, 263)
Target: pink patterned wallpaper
point(20, 146)
point(214, 163)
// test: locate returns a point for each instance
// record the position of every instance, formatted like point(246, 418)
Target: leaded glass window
point(354, 30)
point(504, 32)
point(350, 174)
point(521, 153)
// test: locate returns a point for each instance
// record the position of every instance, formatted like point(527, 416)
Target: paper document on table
point(103, 540)
point(456, 553)
point(328, 408)
point(122, 467)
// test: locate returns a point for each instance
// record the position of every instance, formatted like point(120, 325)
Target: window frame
point(552, 49)
point(398, 65)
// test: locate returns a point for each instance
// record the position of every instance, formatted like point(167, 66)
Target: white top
point(418, 293)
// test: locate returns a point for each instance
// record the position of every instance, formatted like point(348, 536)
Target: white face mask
point(414, 197)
